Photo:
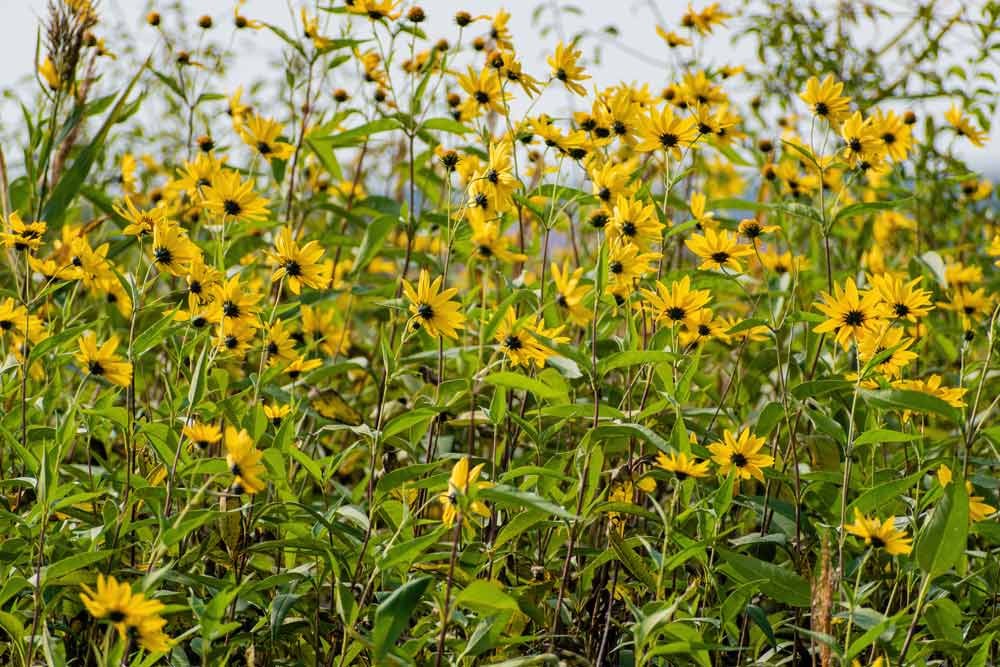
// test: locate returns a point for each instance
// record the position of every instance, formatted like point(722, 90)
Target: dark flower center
point(163, 255)
point(230, 309)
point(263, 147)
point(481, 97)
point(425, 311)
point(292, 268)
point(855, 144)
point(232, 207)
point(901, 309)
point(95, 368)
point(604, 194)
point(232, 342)
point(704, 330)
point(669, 140)
point(889, 138)
point(116, 616)
point(821, 109)
point(6, 325)
point(616, 267)
point(628, 228)
point(194, 287)
point(619, 128)
point(492, 176)
point(720, 257)
point(877, 542)
point(854, 318)
point(738, 459)
point(512, 343)
point(676, 313)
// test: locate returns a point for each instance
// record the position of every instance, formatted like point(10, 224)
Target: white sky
point(634, 19)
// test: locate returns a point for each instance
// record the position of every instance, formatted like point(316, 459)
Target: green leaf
point(633, 358)
point(408, 420)
point(880, 435)
point(486, 597)
point(774, 581)
point(942, 539)
point(445, 125)
point(639, 568)
point(860, 208)
point(917, 401)
point(612, 431)
point(512, 497)
point(74, 563)
point(512, 380)
point(405, 552)
point(378, 230)
point(884, 493)
point(355, 136)
point(393, 614)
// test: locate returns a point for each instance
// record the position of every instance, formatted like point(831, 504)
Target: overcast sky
point(633, 18)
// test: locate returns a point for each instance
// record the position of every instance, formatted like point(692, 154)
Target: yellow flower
point(276, 412)
point(880, 535)
point(718, 251)
point(487, 241)
point(234, 301)
point(102, 361)
point(570, 293)
point(230, 198)
point(677, 304)
point(297, 265)
point(861, 143)
point(682, 466)
point(825, 99)
point(244, 463)
point(752, 228)
point(301, 365)
point(497, 181)
point(944, 475)
point(172, 250)
point(626, 267)
point(894, 134)
point(849, 312)
point(702, 326)
point(565, 68)
point(963, 126)
point(903, 300)
point(741, 455)
point(664, 131)
point(484, 91)
point(202, 435)
point(140, 222)
point(117, 603)
point(261, 134)
point(47, 70)
point(16, 321)
point(978, 510)
point(873, 342)
point(634, 221)
point(432, 308)
point(462, 486)
point(704, 219)
point(518, 342)
point(672, 39)
point(20, 235)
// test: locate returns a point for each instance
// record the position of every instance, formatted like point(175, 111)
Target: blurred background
point(621, 42)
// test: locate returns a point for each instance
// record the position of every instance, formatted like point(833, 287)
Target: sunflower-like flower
point(825, 99)
point(880, 534)
point(127, 610)
point(484, 91)
point(23, 236)
point(298, 265)
point(280, 345)
point(753, 228)
point(276, 413)
point(487, 241)
point(202, 281)
point(703, 326)
point(243, 459)
point(741, 454)
point(462, 487)
point(902, 299)
point(202, 435)
point(850, 312)
point(565, 68)
point(964, 128)
point(634, 221)
point(662, 130)
point(140, 222)
point(861, 142)
point(432, 308)
point(261, 134)
point(230, 198)
point(875, 341)
point(172, 250)
point(101, 361)
point(681, 466)
point(678, 303)
point(626, 267)
point(235, 301)
point(718, 250)
point(570, 293)
point(517, 341)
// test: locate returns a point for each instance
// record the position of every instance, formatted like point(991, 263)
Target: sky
point(639, 56)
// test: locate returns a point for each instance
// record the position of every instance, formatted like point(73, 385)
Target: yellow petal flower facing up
point(462, 487)
point(662, 130)
point(484, 93)
point(825, 99)
point(741, 455)
point(298, 265)
point(244, 463)
point(718, 251)
point(861, 142)
point(877, 340)
point(231, 199)
point(261, 134)
point(172, 250)
point(677, 304)
point(432, 308)
point(276, 413)
point(902, 300)
point(634, 221)
point(488, 242)
point(681, 466)
point(753, 229)
point(978, 510)
point(116, 603)
point(23, 236)
point(880, 535)
point(626, 267)
point(849, 312)
point(101, 361)
point(518, 342)
point(566, 69)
